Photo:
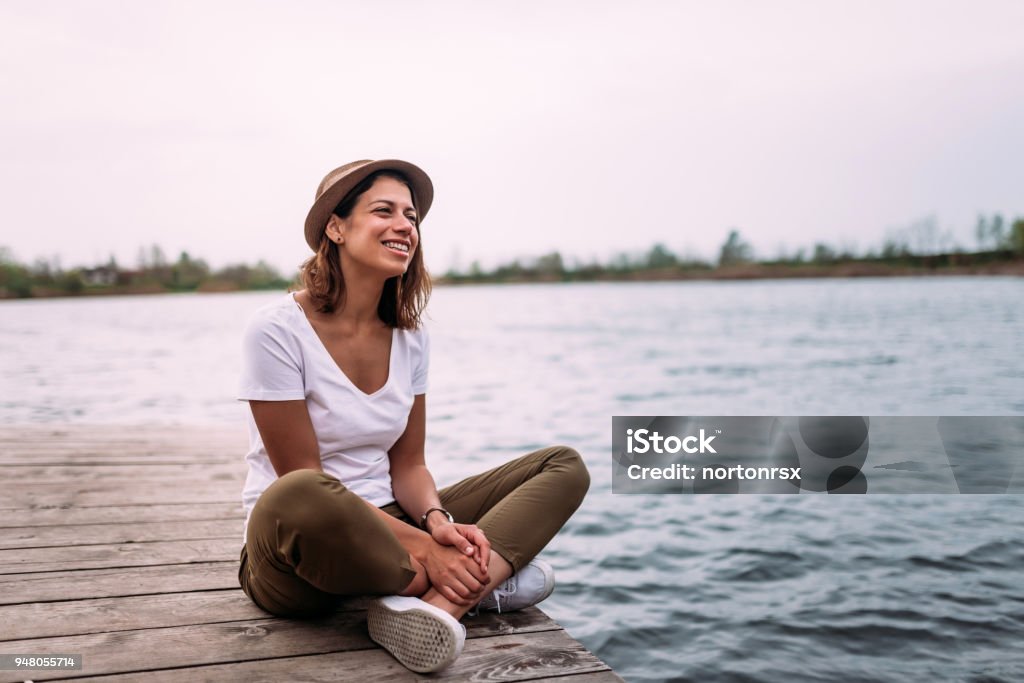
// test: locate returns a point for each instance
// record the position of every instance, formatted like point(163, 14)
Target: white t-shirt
point(283, 359)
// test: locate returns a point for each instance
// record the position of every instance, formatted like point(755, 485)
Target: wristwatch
point(423, 518)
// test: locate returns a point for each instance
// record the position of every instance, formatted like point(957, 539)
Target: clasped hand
point(457, 562)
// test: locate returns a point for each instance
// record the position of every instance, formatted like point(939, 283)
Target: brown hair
point(404, 297)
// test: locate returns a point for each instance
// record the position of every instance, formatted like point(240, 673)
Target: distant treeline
point(153, 273)
point(920, 247)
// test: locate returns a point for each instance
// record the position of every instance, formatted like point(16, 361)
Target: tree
point(823, 253)
point(187, 273)
point(997, 231)
point(981, 232)
point(735, 250)
point(896, 244)
point(1016, 239)
point(71, 282)
point(15, 279)
point(550, 264)
point(924, 235)
point(156, 257)
point(660, 257)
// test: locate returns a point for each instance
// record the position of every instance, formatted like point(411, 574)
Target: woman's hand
point(466, 537)
point(454, 573)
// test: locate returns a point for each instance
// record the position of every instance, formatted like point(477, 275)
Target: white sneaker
point(422, 637)
point(525, 588)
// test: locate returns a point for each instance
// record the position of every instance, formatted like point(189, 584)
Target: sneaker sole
point(422, 640)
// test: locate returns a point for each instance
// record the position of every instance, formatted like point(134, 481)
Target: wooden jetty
point(121, 545)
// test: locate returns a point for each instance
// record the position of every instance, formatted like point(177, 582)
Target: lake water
point(708, 588)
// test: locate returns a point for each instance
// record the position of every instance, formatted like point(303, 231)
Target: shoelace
point(506, 587)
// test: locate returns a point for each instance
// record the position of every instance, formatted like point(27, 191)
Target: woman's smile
point(398, 246)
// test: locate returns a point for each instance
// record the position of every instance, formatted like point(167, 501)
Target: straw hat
point(342, 180)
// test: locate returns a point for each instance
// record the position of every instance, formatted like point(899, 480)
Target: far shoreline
point(739, 272)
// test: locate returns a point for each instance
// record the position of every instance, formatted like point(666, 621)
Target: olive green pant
point(311, 541)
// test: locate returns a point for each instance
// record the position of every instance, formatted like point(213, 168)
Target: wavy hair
point(404, 297)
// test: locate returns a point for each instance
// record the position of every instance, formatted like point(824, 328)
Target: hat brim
point(320, 212)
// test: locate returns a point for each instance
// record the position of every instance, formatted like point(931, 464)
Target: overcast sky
point(586, 127)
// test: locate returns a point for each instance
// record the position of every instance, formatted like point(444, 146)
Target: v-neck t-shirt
point(283, 359)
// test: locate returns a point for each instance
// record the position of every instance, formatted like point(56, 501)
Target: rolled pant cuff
point(514, 559)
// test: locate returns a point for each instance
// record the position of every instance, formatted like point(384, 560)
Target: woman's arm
point(416, 492)
point(411, 481)
point(287, 434)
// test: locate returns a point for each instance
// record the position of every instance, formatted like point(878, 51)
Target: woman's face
point(380, 234)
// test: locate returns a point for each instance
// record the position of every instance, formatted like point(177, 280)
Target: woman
point(338, 498)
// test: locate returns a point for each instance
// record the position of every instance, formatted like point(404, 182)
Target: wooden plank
point(99, 583)
point(237, 641)
point(74, 453)
point(53, 619)
point(34, 443)
point(80, 457)
point(522, 657)
point(103, 433)
point(71, 494)
point(119, 514)
point(607, 676)
point(140, 532)
point(127, 613)
point(210, 448)
point(119, 555)
point(137, 491)
point(180, 446)
point(30, 475)
point(19, 465)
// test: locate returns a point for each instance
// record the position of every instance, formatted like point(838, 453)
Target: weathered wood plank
point(606, 676)
point(119, 555)
point(237, 641)
point(234, 454)
point(76, 617)
point(140, 532)
point(30, 434)
point(99, 583)
point(127, 613)
point(34, 443)
point(22, 465)
point(31, 475)
point(119, 514)
point(523, 657)
point(218, 448)
point(73, 493)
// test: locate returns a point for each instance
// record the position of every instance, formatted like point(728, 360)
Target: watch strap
point(423, 517)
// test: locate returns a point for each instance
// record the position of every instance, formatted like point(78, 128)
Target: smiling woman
point(407, 290)
point(338, 498)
